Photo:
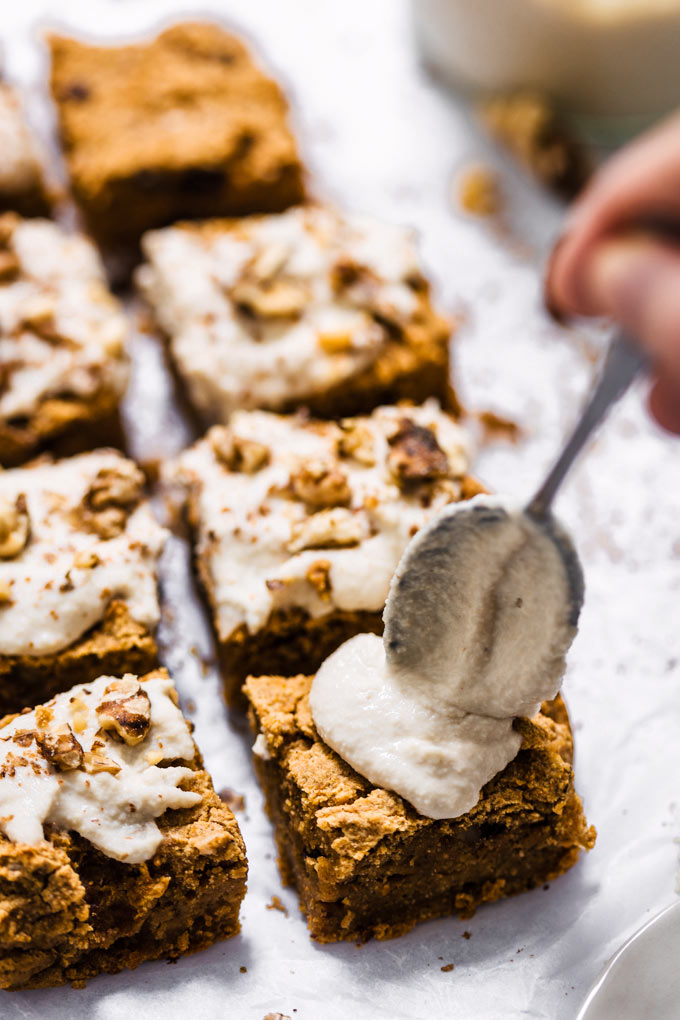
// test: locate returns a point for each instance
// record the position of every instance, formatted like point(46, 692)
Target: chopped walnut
point(95, 761)
point(276, 299)
point(15, 526)
point(358, 442)
point(6, 593)
point(479, 191)
point(43, 715)
point(37, 314)
point(415, 455)
point(345, 273)
point(326, 529)
point(269, 262)
point(238, 454)
point(335, 343)
point(319, 484)
point(85, 560)
point(127, 711)
point(112, 496)
point(60, 747)
point(318, 576)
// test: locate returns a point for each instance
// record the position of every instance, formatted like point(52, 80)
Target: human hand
point(620, 257)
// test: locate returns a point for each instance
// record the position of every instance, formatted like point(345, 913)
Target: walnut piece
point(238, 454)
point(415, 455)
point(319, 484)
point(10, 266)
point(111, 498)
point(15, 526)
point(60, 747)
point(357, 441)
point(326, 529)
point(126, 713)
point(275, 299)
point(318, 576)
point(95, 761)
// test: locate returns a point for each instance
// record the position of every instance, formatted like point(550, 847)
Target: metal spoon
point(443, 613)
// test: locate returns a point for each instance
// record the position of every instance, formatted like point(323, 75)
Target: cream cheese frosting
point(19, 167)
point(296, 513)
point(74, 535)
point(66, 763)
point(271, 309)
point(480, 615)
point(62, 333)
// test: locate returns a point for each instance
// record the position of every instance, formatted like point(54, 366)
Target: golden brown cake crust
point(68, 912)
point(64, 426)
point(183, 126)
point(116, 645)
point(365, 863)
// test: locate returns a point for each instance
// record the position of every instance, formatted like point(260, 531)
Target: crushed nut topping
point(276, 299)
point(318, 576)
point(85, 560)
point(94, 762)
point(326, 529)
point(15, 526)
point(238, 454)
point(127, 712)
point(6, 593)
point(356, 441)
point(10, 266)
point(269, 261)
point(111, 498)
point(60, 747)
point(415, 455)
point(319, 484)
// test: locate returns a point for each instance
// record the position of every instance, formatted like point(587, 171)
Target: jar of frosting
point(613, 63)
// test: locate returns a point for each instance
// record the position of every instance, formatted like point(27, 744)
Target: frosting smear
point(481, 612)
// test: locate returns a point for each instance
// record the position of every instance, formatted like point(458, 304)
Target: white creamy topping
point(19, 168)
point(114, 809)
point(61, 331)
point(480, 615)
point(262, 548)
point(257, 313)
point(60, 583)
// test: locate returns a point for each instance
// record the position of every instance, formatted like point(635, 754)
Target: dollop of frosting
point(94, 760)
point(481, 612)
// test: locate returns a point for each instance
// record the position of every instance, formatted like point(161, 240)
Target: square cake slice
point(185, 125)
point(63, 368)
point(79, 549)
point(366, 864)
point(22, 185)
point(299, 525)
point(114, 847)
point(308, 308)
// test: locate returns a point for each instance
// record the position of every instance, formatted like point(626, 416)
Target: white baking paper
point(382, 138)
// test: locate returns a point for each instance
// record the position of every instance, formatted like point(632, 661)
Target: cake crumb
point(467, 934)
point(276, 1016)
point(479, 191)
point(447, 967)
point(496, 426)
point(276, 904)
point(243, 970)
point(236, 801)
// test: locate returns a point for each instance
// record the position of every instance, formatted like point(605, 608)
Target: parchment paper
point(381, 137)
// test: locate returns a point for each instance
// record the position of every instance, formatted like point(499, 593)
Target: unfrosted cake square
point(308, 308)
point(184, 125)
point(79, 549)
point(299, 525)
point(63, 367)
point(114, 847)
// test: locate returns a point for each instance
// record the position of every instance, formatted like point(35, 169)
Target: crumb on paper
point(236, 801)
point(467, 934)
point(447, 967)
point(528, 125)
point(496, 426)
point(243, 970)
point(276, 904)
point(478, 191)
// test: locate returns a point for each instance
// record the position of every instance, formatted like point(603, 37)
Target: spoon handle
point(623, 361)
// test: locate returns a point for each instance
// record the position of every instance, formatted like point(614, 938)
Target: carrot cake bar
point(299, 525)
point(114, 847)
point(366, 863)
point(22, 186)
point(78, 554)
point(185, 125)
point(63, 368)
point(308, 308)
